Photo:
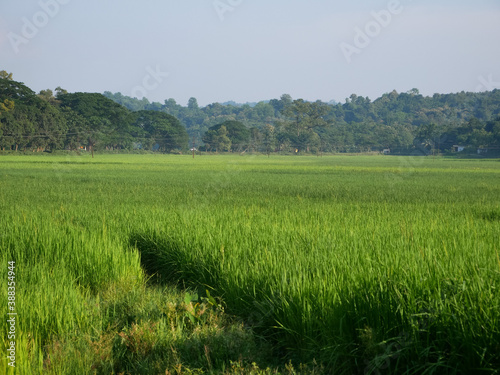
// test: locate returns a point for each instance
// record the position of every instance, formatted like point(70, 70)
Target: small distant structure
point(458, 148)
point(193, 149)
point(488, 150)
point(386, 151)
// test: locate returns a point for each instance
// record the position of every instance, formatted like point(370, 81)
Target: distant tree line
point(74, 121)
point(401, 122)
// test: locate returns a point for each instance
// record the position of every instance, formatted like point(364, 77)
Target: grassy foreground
point(153, 264)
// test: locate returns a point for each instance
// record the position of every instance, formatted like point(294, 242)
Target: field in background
point(345, 264)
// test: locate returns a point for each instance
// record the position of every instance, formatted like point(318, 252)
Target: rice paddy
point(144, 264)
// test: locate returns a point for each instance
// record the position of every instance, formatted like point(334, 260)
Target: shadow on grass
point(492, 215)
point(166, 262)
point(169, 264)
point(375, 328)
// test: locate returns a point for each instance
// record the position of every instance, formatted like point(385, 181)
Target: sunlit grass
point(359, 263)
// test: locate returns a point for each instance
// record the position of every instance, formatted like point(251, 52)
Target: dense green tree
point(304, 117)
point(162, 129)
point(281, 104)
point(193, 104)
point(269, 138)
point(474, 133)
point(217, 139)
point(263, 111)
point(16, 130)
point(493, 127)
point(6, 106)
point(111, 123)
point(16, 91)
point(426, 136)
point(31, 122)
point(48, 96)
point(223, 140)
point(78, 129)
point(237, 132)
point(60, 91)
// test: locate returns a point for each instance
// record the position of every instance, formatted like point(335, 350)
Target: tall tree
point(162, 129)
point(237, 132)
point(269, 138)
point(114, 119)
point(304, 117)
point(48, 96)
point(217, 138)
point(193, 104)
point(5, 75)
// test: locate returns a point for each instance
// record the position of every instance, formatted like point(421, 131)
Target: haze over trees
point(397, 121)
point(402, 122)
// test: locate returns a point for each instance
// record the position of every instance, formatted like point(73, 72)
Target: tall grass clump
point(59, 271)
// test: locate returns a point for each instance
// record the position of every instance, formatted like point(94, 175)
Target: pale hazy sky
point(251, 50)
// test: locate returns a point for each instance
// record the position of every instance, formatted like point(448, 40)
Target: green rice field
point(230, 264)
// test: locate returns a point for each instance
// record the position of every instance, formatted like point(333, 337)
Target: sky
point(252, 50)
